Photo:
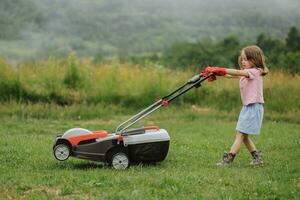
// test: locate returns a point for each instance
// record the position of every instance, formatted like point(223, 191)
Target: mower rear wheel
point(118, 159)
point(61, 152)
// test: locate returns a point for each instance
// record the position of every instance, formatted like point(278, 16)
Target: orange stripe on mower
point(96, 134)
point(151, 128)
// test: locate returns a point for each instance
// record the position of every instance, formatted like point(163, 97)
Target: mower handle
point(195, 81)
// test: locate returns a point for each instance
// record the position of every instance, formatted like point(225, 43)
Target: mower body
point(147, 144)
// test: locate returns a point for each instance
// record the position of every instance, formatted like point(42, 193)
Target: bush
point(292, 62)
point(73, 79)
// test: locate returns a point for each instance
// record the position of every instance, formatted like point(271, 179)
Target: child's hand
point(212, 78)
point(206, 73)
point(219, 71)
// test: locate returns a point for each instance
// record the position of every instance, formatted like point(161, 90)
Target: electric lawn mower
point(120, 148)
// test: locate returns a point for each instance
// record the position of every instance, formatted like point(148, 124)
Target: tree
point(272, 48)
point(293, 39)
point(292, 62)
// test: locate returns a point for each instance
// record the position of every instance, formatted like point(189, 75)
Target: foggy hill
point(36, 29)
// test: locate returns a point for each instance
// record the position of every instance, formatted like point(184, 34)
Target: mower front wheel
point(118, 159)
point(61, 152)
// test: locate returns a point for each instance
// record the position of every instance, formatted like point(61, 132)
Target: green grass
point(198, 138)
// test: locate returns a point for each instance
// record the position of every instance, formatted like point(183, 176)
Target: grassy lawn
point(198, 139)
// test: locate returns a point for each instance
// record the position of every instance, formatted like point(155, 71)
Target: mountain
point(37, 29)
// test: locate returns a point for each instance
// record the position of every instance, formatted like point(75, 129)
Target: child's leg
point(249, 144)
point(257, 155)
point(229, 157)
point(239, 139)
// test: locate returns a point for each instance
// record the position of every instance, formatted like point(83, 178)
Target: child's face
point(245, 63)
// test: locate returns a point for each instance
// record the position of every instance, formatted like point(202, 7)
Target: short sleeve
point(253, 72)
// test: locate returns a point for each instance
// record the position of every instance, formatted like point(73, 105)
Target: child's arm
point(236, 72)
point(230, 76)
point(220, 71)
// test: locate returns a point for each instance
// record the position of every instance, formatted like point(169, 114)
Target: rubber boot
point(227, 159)
point(257, 158)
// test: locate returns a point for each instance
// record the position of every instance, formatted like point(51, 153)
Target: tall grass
point(73, 81)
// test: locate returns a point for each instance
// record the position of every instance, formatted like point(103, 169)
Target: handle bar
point(164, 101)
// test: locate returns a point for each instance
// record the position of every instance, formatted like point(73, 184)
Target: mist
point(38, 29)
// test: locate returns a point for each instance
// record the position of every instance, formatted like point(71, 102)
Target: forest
point(280, 54)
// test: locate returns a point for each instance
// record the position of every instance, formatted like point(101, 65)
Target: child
point(253, 67)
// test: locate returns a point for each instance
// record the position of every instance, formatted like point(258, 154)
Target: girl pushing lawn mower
point(253, 68)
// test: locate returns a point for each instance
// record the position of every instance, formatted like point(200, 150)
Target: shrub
point(72, 77)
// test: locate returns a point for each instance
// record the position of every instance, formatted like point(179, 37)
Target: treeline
point(280, 54)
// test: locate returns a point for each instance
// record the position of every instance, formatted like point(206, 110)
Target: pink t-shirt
point(252, 87)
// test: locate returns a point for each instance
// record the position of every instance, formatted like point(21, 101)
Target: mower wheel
point(61, 152)
point(118, 158)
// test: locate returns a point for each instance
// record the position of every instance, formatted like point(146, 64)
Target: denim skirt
point(250, 119)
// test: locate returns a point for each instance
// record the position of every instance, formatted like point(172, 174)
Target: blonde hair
point(256, 57)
